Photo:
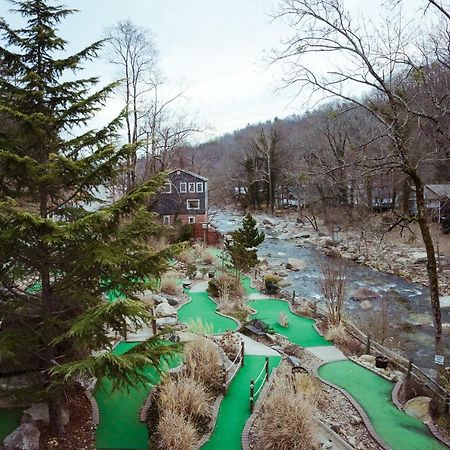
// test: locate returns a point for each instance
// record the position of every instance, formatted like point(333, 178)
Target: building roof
point(190, 173)
point(440, 190)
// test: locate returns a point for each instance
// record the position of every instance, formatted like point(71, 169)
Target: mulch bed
point(79, 433)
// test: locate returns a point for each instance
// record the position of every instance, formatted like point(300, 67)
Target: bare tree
point(375, 59)
point(332, 284)
point(132, 49)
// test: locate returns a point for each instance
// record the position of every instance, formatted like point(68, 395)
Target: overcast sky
point(215, 49)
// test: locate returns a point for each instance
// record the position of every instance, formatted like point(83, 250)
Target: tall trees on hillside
point(376, 58)
point(58, 261)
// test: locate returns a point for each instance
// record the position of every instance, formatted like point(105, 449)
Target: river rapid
point(407, 303)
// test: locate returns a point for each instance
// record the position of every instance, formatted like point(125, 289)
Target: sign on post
point(439, 359)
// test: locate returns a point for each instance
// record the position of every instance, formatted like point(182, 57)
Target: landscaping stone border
point(94, 407)
point(431, 426)
point(215, 415)
point(357, 406)
point(239, 324)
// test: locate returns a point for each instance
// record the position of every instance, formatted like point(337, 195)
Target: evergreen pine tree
point(58, 260)
point(242, 247)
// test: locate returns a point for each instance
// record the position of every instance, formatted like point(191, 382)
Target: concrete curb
point(356, 405)
point(94, 407)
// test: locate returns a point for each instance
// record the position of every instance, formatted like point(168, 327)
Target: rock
point(293, 361)
point(418, 407)
point(166, 321)
point(360, 259)
point(365, 305)
point(158, 299)
point(332, 252)
point(364, 293)
point(281, 254)
point(38, 413)
point(172, 300)
point(419, 257)
point(25, 437)
point(369, 359)
point(282, 273)
point(304, 235)
point(296, 264)
point(283, 237)
point(270, 222)
point(445, 301)
point(284, 283)
point(164, 309)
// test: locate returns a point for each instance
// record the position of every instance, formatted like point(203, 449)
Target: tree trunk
point(433, 279)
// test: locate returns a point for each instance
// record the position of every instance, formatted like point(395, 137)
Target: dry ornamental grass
point(175, 432)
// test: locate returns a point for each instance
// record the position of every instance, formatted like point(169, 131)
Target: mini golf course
point(119, 426)
point(300, 331)
point(373, 393)
point(201, 307)
point(235, 407)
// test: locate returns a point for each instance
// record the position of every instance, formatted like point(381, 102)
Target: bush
point(191, 270)
point(336, 334)
point(175, 432)
point(197, 326)
point(169, 286)
point(204, 363)
point(209, 260)
point(186, 397)
point(230, 344)
point(185, 257)
point(287, 418)
point(213, 289)
point(271, 284)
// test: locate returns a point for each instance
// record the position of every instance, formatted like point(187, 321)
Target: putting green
point(247, 284)
point(235, 407)
point(373, 393)
point(9, 421)
point(119, 426)
point(201, 307)
point(300, 331)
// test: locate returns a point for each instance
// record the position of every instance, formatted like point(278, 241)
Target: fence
point(230, 372)
point(402, 363)
point(253, 394)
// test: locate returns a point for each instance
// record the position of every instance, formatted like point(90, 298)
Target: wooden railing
point(230, 372)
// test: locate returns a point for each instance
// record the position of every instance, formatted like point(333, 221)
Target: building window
point(167, 188)
point(183, 188)
point(193, 204)
point(191, 186)
point(166, 220)
point(191, 219)
point(199, 187)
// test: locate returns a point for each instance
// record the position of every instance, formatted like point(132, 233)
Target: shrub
point(175, 432)
point(287, 418)
point(230, 344)
point(271, 283)
point(209, 260)
point(213, 289)
point(197, 326)
point(169, 286)
point(186, 397)
point(191, 270)
point(204, 363)
point(283, 320)
point(336, 334)
point(185, 257)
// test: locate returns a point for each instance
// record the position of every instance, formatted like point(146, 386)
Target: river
point(408, 303)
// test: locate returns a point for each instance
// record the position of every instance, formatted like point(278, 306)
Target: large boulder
point(166, 321)
point(418, 407)
point(164, 309)
point(25, 437)
point(38, 413)
point(363, 294)
point(365, 305)
point(295, 264)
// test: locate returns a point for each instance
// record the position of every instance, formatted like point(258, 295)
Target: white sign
point(438, 359)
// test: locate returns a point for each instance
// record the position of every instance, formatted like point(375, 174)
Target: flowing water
point(407, 303)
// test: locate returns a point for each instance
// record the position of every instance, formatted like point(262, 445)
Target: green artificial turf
point(300, 330)
point(235, 407)
point(373, 393)
point(119, 426)
point(246, 283)
point(203, 308)
point(9, 421)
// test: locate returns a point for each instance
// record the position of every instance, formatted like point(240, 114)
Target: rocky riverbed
point(392, 277)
